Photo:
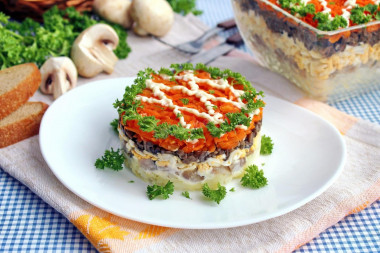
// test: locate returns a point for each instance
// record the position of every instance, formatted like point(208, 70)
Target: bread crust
point(22, 129)
point(14, 98)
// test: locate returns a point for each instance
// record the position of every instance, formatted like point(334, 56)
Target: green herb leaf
point(214, 131)
point(358, 16)
point(131, 181)
point(114, 124)
point(184, 7)
point(372, 8)
point(166, 71)
point(186, 194)
point(232, 189)
point(214, 195)
point(184, 101)
point(266, 145)
point(254, 178)
point(211, 91)
point(111, 159)
point(153, 191)
point(196, 133)
point(148, 123)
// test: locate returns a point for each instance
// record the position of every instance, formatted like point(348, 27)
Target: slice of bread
point(17, 85)
point(22, 123)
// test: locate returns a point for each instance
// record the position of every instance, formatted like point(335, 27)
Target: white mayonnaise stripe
point(168, 103)
point(219, 84)
point(325, 8)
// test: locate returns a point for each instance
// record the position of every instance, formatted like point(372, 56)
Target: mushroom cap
point(154, 16)
point(58, 75)
point(116, 11)
point(92, 51)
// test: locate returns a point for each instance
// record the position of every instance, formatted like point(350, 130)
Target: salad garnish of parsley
point(266, 145)
point(254, 178)
point(186, 194)
point(111, 159)
point(153, 191)
point(114, 124)
point(214, 195)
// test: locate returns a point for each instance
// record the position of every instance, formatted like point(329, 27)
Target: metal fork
point(193, 47)
point(223, 48)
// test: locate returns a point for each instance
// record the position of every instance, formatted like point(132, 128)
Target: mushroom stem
point(61, 86)
point(107, 60)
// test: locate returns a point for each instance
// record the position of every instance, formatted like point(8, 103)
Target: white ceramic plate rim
point(45, 124)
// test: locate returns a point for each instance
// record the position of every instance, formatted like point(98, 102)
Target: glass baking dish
point(327, 65)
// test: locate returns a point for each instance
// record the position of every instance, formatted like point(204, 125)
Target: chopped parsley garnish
point(186, 194)
point(211, 91)
point(184, 101)
point(178, 115)
point(266, 145)
point(111, 159)
point(114, 124)
point(131, 181)
point(232, 189)
point(254, 178)
point(214, 195)
point(359, 17)
point(214, 130)
point(148, 123)
point(214, 107)
point(358, 14)
point(153, 191)
point(325, 24)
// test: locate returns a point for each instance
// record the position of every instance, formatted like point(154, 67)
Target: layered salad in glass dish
point(329, 48)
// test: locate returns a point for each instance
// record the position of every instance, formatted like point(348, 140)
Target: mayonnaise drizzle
point(325, 8)
point(206, 98)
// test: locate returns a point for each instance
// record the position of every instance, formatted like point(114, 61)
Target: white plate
point(308, 155)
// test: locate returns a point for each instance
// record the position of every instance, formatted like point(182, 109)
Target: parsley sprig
point(266, 145)
point(153, 191)
point(111, 159)
point(186, 194)
point(214, 195)
point(254, 178)
point(114, 124)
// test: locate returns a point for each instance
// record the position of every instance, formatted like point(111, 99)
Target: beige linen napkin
point(357, 187)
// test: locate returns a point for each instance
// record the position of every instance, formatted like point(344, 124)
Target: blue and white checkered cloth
point(28, 224)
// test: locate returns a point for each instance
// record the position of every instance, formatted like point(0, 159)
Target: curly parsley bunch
point(30, 41)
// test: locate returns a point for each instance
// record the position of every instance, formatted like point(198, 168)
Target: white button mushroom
point(92, 51)
point(58, 75)
point(151, 17)
point(116, 11)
